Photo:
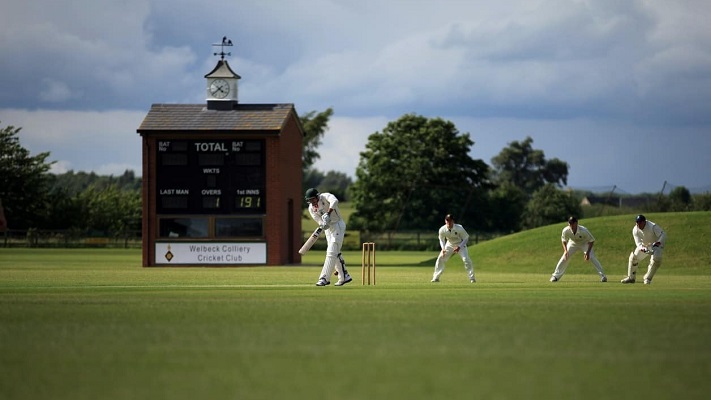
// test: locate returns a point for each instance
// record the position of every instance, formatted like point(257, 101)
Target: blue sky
point(621, 90)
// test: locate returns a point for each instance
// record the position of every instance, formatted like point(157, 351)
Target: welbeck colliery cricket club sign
point(211, 253)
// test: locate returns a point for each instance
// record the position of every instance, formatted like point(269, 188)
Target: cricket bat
point(310, 241)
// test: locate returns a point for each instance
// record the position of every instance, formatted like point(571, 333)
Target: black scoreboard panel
point(211, 176)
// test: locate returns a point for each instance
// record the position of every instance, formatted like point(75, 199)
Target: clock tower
point(222, 82)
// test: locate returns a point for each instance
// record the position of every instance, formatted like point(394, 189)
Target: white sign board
point(211, 253)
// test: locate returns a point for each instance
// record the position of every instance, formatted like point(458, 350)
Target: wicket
point(367, 261)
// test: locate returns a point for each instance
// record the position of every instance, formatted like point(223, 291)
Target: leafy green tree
point(76, 182)
point(72, 183)
point(76, 197)
point(315, 126)
point(24, 181)
point(110, 209)
point(336, 183)
point(527, 168)
point(507, 203)
point(127, 181)
point(65, 211)
point(413, 173)
point(702, 202)
point(312, 178)
point(550, 205)
point(680, 199)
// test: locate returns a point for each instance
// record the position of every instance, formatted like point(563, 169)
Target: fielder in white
point(576, 237)
point(323, 208)
point(649, 239)
point(452, 239)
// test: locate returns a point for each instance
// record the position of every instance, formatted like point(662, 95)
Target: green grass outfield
point(93, 324)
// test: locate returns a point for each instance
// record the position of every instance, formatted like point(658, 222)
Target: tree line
point(409, 175)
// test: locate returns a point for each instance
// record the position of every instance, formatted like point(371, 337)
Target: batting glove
point(326, 219)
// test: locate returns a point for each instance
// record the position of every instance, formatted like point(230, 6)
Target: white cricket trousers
point(334, 238)
point(638, 255)
point(444, 257)
point(572, 249)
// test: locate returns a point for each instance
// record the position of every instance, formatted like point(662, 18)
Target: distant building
point(607, 200)
point(616, 201)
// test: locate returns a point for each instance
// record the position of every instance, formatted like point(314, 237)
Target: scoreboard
point(221, 182)
point(210, 177)
point(211, 189)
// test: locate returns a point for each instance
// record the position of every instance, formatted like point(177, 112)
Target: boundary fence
point(69, 239)
point(425, 241)
point(414, 241)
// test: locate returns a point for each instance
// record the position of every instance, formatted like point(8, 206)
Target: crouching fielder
point(452, 239)
point(649, 239)
point(576, 237)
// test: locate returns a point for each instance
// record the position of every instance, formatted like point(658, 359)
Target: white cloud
point(61, 167)
point(81, 140)
point(343, 142)
point(91, 69)
point(55, 91)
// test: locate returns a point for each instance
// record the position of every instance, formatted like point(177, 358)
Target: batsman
point(323, 208)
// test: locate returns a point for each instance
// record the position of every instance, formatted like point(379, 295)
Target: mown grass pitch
point(93, 324)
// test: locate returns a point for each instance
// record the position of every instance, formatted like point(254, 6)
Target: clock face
point(219, 88)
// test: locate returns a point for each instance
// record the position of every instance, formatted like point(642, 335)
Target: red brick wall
point(274, 195)
point(292, 145)
point(147, 226)
point(283, 184)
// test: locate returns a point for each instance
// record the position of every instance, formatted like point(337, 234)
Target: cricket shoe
point(554, 279)
point(628, 280)
point(341, 283)
point(603, 279)
point(647, 281)
point(435, 280)
point(322, 282)
point(472, 280)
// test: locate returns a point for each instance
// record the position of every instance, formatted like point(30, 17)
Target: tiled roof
point(196, 117)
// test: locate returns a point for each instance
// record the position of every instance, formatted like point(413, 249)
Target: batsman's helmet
point(310, 194)
point(641, 218)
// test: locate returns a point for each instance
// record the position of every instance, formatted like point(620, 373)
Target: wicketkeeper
point(323, 208)
point(649, 238)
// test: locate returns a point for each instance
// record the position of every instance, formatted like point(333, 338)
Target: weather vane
point(225, 42)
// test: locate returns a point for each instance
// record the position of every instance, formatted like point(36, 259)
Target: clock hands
point(220, 88)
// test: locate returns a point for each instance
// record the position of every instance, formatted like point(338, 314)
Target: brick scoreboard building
point(221, 180)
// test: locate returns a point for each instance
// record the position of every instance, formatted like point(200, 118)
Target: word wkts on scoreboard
point(210, 176)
